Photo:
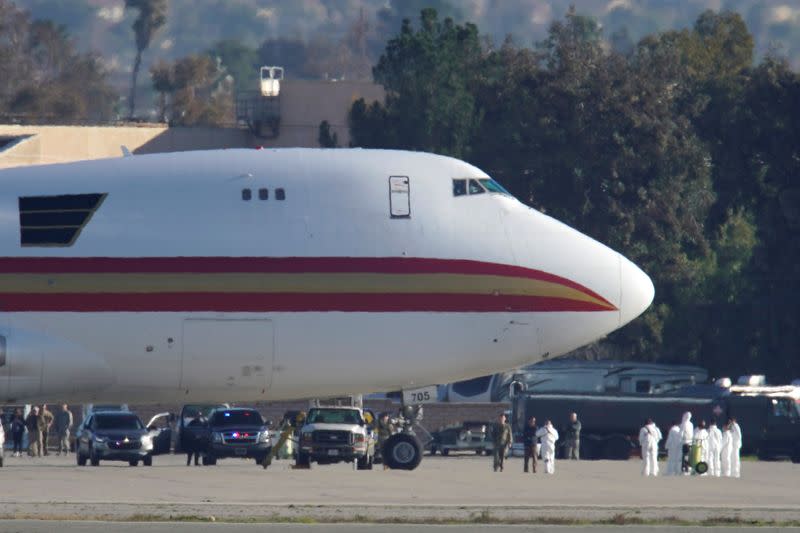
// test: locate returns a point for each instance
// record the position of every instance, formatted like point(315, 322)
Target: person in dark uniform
point(195, 444)
point(529, 441)
point(501, 441)
point(573, 440)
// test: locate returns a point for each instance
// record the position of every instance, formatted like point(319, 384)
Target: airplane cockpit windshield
point(471, 187)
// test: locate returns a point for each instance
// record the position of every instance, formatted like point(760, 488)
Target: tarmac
point(453, 490)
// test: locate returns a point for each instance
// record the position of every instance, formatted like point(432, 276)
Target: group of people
point(38, 425)
point(537, 441)
point(718, 449)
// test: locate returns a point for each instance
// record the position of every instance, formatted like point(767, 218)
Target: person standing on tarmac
point(736, 448)
point(573, 438)
point(649, 437)
point(34, 434)
point(385, 430)
point(725, 450)
point(674, 448)
point(529, 441)
point(17, 431)
point(2, 442)
point(687, 435)
point(714, 449)
point(45, 421)
point(63, 425)
point(548, 435)
point(501, 441)
point(195, 443)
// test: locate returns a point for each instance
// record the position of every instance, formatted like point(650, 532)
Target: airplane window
point(263, 194)
point(280, 194)
point(55, 220)
point(475, 187)
point(2, 351)
point(459, 187)
point(493, 186)
point(247, 194)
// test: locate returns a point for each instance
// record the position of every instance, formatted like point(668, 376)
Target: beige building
point(302, 104)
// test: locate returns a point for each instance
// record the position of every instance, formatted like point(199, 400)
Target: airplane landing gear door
point(226, 358)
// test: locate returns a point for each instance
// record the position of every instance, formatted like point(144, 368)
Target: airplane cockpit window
point(247, 194)
point(459, 187)
point(493, 186)
point(475, 187)
point(263, 194)
point(280, 194)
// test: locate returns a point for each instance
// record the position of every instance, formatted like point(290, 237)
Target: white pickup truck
point(334, 435)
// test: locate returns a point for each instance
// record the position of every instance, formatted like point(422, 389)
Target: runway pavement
point(462, 489)
point(33, 526)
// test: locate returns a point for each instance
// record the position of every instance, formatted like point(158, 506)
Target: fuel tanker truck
point(769, 416)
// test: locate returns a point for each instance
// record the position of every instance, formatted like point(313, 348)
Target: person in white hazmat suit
point(649, 437)
point(701, 441)
point(687, 435)
point(725, 451)
point(548, 435)
point(674, 448)
point(714, 449)
point(2, 442)
point(736, 448)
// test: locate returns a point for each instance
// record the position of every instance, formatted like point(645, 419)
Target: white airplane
point(251, 275)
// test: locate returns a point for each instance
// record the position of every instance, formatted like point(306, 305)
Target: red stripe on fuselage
point(287, 302)
point(294, 265)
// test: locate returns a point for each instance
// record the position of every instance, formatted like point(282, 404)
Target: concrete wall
point(304, 104)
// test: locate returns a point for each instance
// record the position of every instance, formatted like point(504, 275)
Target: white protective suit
point(2, 442)
point(725, 453)
point(687, 435)
point(674, 451)
point(649, 437)
point(548, 436)
point(714, 450)
point(736, 448)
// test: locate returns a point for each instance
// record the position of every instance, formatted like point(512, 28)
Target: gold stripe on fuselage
point(364, 283)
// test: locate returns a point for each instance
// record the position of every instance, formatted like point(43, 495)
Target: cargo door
point(226, 358)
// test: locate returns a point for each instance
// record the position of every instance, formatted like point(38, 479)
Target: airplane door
point(226, 357)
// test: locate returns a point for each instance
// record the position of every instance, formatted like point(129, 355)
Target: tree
point(194, 90)
point(44, 77)
point(429, 75)
point(326, 138)
point(152, 16)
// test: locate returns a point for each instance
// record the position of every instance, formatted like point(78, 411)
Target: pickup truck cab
point(237, 432)
point(334, 435)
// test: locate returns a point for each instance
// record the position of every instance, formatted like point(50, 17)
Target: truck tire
point(303, 460)
point(402, 452)
point(617, 448)
point(796, 456)
point(445, 451)
point(364, 463)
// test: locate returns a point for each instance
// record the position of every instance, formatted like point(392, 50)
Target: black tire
point(303, 460)
point(402, 452)
point(364, 463)
point(796, 456)
point(701, 467)
point(617, 448)
point(445, 452)
point(147, 460)
point(133, 462)
point(433, 450)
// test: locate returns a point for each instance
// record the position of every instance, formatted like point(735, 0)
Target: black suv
point(237, 432)
point(114, 436)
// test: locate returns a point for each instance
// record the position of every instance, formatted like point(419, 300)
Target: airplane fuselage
point(246, 275)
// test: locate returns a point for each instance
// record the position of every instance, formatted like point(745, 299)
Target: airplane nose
point(636, 291)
